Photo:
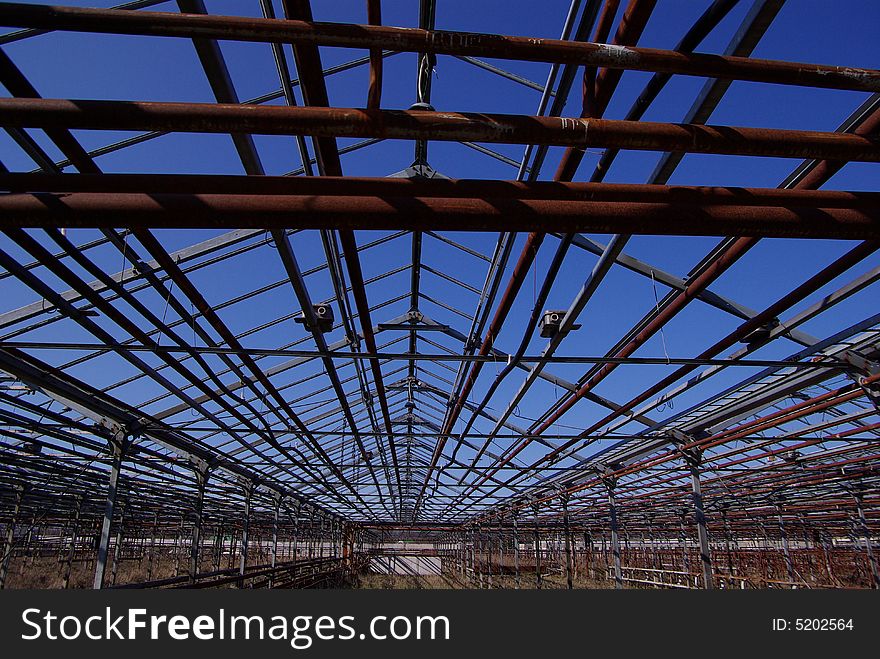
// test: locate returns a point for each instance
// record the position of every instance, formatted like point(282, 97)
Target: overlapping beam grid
point(173, 238)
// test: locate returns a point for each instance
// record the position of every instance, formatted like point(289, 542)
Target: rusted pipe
point(600, 35)
point(374, 17)
point(237, 28)
point(96, 210)
point(439, 188)
point(444, 126)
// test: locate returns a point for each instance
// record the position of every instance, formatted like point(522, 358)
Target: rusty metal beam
point(436, 188)
point(444, 126)
point(418, 213)
point(435, 41)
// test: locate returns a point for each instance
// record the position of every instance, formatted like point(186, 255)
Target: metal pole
point(588, 554)
point(10, 535)
point(515, 551)
point(538, 579)
point(480, 555)
point(462, 554)
point(727, 544)
point(248, 492)
point(31, 544)
point(218, 545)
point(491, 548)
point(501, 539)
point(178, 545)
point(700, 519)
point(567, 531)
point(201, 473)
point(866, 535)
point(118, 446)
point(615, 540)
point(275, 540)
point(72, 546)
point(472, 555)
point(152, 556)
point(293, 541)
point(117, 545)
point(786, 550)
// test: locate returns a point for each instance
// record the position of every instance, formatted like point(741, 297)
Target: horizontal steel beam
point(237, 28)
point(441, 188)
point(443, 126)
point(409, 356)
point(417, 213)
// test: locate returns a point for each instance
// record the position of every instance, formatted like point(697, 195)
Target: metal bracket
point(692, 456)
point(861, 364)
point(201, 467)
point(863, 369)
point(606, 475)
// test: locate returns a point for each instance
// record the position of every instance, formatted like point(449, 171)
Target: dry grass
point(47, 572)
point(405, 582)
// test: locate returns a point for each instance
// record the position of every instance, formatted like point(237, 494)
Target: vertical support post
point(823, 540)
point(501, 539)
point(727, 544)
point(219, 538)
point(808, 549)
point(30, 545)
point(866, 535)
point(294, 541)
point(565, 527)
point(310, 541)
point(538, 579)
point(786, 550)
point(693, 459)
point(71, 548)
point(245, 528)
point(178, 544)
point(515, 550)
point(472, 556)
point(462, 554)
point(195, 550)
point(118, 447)
point(490, 549)
point(8, 544)
point(276, 511)
point(764, 553)
point(610, 484)
point(152, 555)
point(588, 554)
point(117, 545)
point(479, 559)
point(233, 548)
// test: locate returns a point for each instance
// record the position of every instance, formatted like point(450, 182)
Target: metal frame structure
point(148, 415)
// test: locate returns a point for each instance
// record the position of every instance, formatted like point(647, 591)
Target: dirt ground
point(450, 581)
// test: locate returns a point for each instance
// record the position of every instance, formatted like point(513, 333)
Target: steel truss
point(159, 431)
